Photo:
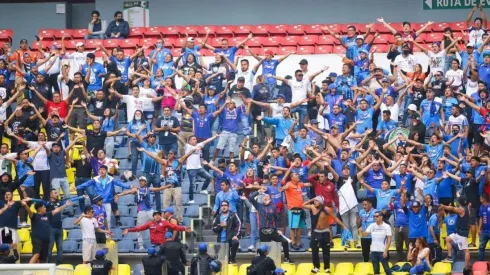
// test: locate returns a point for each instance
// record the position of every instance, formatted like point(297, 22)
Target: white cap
point(360, 37)
point(470, 44)
point(190, 39)
point(79, 44)
point(412, 107)
point(143, 178)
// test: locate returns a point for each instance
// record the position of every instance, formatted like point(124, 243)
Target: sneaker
point(191, 202)
point(142, 249)
point(358, 246)
point(315, 270)
point(327, 270)
point(347, 246)
point(205, 192)
point(447, 260)
point(251, 248)
point(23, 225)
point(231, 262)
point(471, 245)
point(288, 260)
point(130, 156)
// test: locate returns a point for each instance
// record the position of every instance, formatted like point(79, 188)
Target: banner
point(137, 13)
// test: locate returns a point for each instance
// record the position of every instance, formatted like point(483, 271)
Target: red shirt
point(247, 182)
point(61, 106)
point(157, 230)
point(326, 190)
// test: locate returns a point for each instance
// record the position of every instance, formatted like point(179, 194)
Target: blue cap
point(169, 210)
point(100, 253)
point(281, 96)
point(203, 247)
point(263, 248)
point(168, 235)
point(279, 270)
point(212, 87)
point(364, 51)
point(332, 74)
point(4, 247)
point(152, 251)
point(332, 86)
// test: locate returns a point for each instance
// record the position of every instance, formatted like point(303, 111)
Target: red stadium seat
point(458, 26)
point(481, 266)
point(168, 42)
point(381, 48)
point(289, 40)
point(269, 41)
point(150, 42)
point(6, 35)
point(67, 33)
point(397, 26)
point(128, 52)
point(171, 31)
point(437, 27)
point(206, 52)
point(92, 43)
point(360, 28)
point(416, 50)
point(56, 43)
point(189, 30)
point(203, 30)
point(34, 45)
point(305, 50)
point(326, 39)
point(226, 31)
point(286, 50)
point(148, 51)
point(155, 32)
point(296, 29)
point(308, 40)
point(138, 32)
point(129, 43)
point(99, 54)
point(379, 27)
point(112, 43)
point(48, 34)
point(337, 28)
point(261, 30)
point(262, 51)
point(384, 39)
point(79, 34)
point(243, 29)
point(255, 42)
point(215, 41)
point(179, 42)
point(71, 44)
point(434, 37)
point(324, 49)
point(338, 50)
point(176, 51)
point(421, 38)
point(235, 40)
point(314, 29)
point(278, 30)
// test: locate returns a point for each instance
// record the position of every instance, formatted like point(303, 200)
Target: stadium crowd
point(399, 153)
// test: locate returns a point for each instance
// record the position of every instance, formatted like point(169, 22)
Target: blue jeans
point(244, 119)
point(421, 268)
point(154, 181)
point(376, 258)
point(56, 235)
point(254, 230)
point(484, 238)
point(192, 176)
point(301, 110)
point(135, 156)
point(95, 36)
point(167, 147)
point(88, 189)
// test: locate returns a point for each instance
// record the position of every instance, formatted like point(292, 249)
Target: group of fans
point(316, 150)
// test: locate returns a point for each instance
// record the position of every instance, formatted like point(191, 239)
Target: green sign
point(453, 4)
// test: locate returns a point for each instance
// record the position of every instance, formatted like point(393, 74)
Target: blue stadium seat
point(133, 211)
point(131, 236)
point(138, 269)
point(126, 200)
point(68, 223)
point(117, 234)
point(191, 211)
point(124, 210)
point(127, 222)
point(75, 234)
point(70, 246)
point(186, 221)
point(125, 246)
point(201, 199)
point(244, 244)
point(458, 267)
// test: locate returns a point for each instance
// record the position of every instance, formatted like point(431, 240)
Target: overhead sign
point(137, 13)
point(453, 4)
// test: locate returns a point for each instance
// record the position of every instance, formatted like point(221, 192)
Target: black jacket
point(233, 226)
point(266, 265)
point(101, 267)
point(174, 254)
point(201, 263)
point(152, 265)
point(10, 186)
point(9, 259)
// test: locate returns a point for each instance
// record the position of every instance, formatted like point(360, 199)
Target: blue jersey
point(434, 223)
point(450, 221)
point(123, 67)
point(336, 119)
point(408, 181)
point(401, 219)
point(22, 169)
point(434, 152)
point(149, 164)
point(97, 72)
point(369, 98)
point(447, 105)
point(218, 179)
point(300, 145)
point(100, 215)
point(276, 195)
point(417, 223)
point(231, 118)
point(202, 125)
point(367, 218)
point(210, 101)
point(134, 126)
point(430, 186)
point(383, 198)
point(230, 52)
point(366, 119)
point(269, 67)
point(303, 174)
point(386, 126)
point(430, 110)
point(344, 84)
point(389, 92)
point(160, 58)
point(374, 179)
point(348, 41)
point(455, 144)
point(485, 217)
point(445, 188)
point(143, 199)
point(355, 52)
point(279, 162)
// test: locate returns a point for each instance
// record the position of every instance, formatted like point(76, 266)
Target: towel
point(346, 237)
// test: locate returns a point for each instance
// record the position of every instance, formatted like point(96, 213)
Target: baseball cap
point(100, 253)
point(412, 107)
point(168, 235)
point(79, 44)
point(385, 80)
point(332, 74)
point(364, 51)
point(269, 52)
point(360, 37)
point(332, 86)
point(143, 178)
point(169, 210)
point(190, 39)
point(212, 87)
point(470, 45)
point(314, 121)
point(303, 62)
point(203, 247)
point(152, 251)
point(263, 248)
point(281, 96)
point(241, 79)
point(156, 212)
point(486, 54)
point(4, 247)
point(471, 171)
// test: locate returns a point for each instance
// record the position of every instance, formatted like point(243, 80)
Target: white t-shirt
point(460, 120)
point(436, 61)
point(194, 161)
point(78, 59)
point(148, 105)
point(2, 161)
point(40, 161)
point(133, 104)
point(249, 78)
point(299, 89)
point(456, 75)
point(475, 36)
point(55, 69)
point(394, 109)
point(276, 109)
point(405, 63)
point(379, 234)
point(3, 112)
point(471, 87)
point(88, 227)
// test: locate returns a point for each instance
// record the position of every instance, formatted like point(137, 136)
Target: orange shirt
point(294, 195)
point(18, 57)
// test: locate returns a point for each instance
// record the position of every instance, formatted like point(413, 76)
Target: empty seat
point(225, 30)
point(314, 29)
point(278, 29)
point(326, 39)
point(127, 221)
point(441, 268)
point(79, 34)
point(125, 246)
point(112, 43)
point(124, 211)
point(123, 269)
point(305, 50)
point(289, 40)
point(82, 269)
point(26, 248)
point(205, 29)
point(24, 234)
point(243, 269)
point(289, 268)
point(154, 31)
point(191, 211)
point(68, 223)
point(305, 268)
point(458, 26)
point(75, 234)
point(137, 32)
point(129, 43)
point(308, 40)
point(254, 42)
point(433, 37)
point(285, 50)
point(117, 234)
point(70, 246)
point(458, 267)
point(93, 43)
point(67, 33)
point(261, 30)
point(364, 268)
point(481, 266)
point(48, 34)
point(337, 28)
point(150, 41)
point(269, 41)
point(296, 29)
point(131, 236)
point(189, 30)
point(344, 268)
point(6, 35)
point(65, 266)
point(126, 200)
point(325, 49)
point(243, 29)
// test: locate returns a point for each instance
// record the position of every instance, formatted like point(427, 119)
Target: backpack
point(254, 269)
point(201, 264)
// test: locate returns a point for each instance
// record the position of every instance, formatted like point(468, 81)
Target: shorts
point(88, 251)
point(227, 138)
point(472, 219)
point(460, 241)
point(475, 129)
point(295, 220)
point(283, 219)
point(114, 206)
point(40, 247)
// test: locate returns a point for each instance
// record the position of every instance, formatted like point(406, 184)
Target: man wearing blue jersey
point(365, 113)
point(123, 62)
point(349, 39)
point(225, 48)
point(93, 73)
point(484, 225)
point(417, 219)
point(366, 218)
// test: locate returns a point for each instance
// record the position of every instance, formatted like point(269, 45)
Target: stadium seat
point(67, 33)
point(325, 49)
point(364, 268)
point(254, 42)
point(191, 211)
point(381, 268)
point(458, 26)
point(123, 269)
point(270, 41)
point(75, 234)
point(65, 266)
point(243, 30)
point(126, 200)
point(127, 222)
point(344, 269)
point(92, 43)
point(481, 266)
point(296, 29)
point(305, 50)
point(338, 49)
point(178, 42)
point(458, 267)
point(313, 29)
point(226, 31)
point(289, 40)
point(48, 34)
point(261, 30)
point(189, 30)
point(68, 223)
point(112, 43)
point(243, 269)
point(326, 39)
point(380, 48)
point(125, 246)
point(441, 268)
point(232, 269)
point(436, 27)
point(6, 35)
point(124, 210)
point(24, 234)
point(384, 39)
point(153, 32)
point(138, 269)
point(176, 51)
point(433, 37)
point(308, 40)
point(278, 30)
point(201, 30)
point(150, 42)
point(131, 236)
point(26, 248)
point(137, 32)
point(129, 43)
point(82, 269)
point(70, 246)
point(79, 34)
point(289, 268)
point(173, 31)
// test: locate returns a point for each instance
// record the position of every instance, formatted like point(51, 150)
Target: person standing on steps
point(460, 237)
point(227, 225)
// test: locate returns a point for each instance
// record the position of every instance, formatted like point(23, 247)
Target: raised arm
point(390, 28)
point(284, 57)
point(419, 32)
point(253, 54)
point(470, 16)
